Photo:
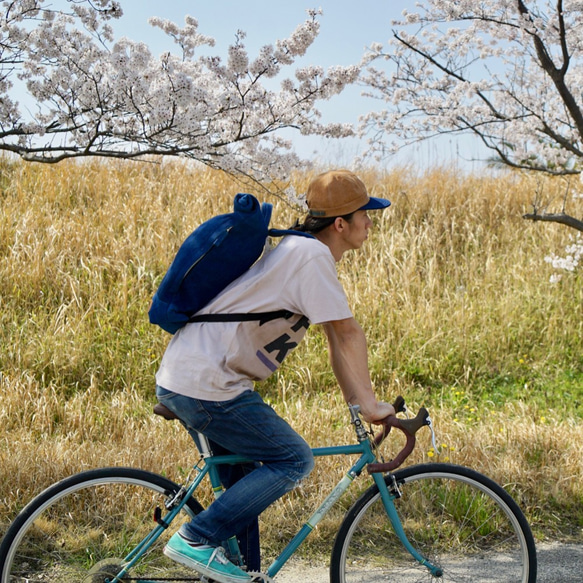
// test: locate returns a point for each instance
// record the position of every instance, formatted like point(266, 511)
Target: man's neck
point(331, 241)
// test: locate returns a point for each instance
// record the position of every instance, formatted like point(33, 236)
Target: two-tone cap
point(340, 192)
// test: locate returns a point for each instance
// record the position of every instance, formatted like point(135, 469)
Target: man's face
point(355, 232)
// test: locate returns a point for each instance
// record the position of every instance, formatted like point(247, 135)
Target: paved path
point(557, 563)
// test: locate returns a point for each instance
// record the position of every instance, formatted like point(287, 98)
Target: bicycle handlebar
point(408, 426)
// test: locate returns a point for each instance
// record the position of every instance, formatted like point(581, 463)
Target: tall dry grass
point(451, 288)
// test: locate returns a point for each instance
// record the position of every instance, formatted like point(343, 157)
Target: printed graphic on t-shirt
point(274, 352)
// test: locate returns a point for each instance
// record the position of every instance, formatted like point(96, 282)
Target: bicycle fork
point(388, 494)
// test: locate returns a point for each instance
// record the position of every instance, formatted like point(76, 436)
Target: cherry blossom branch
point(560, 218)
point(506, 71)
point(97, 96)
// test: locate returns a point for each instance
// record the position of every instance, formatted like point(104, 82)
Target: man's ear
point(338, 224)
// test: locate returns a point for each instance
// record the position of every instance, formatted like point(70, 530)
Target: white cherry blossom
point(570, 261)
point(508, 71)
point(96, 95)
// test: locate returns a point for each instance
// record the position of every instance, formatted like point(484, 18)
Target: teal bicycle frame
point(209, 466)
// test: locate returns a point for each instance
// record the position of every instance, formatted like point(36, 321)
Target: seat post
point(204, 446)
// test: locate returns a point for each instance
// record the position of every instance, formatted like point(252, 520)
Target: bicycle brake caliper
point(393, 487)
point(170, 503)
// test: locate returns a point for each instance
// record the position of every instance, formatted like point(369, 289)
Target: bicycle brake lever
point(431, 428)
point(399, 405)
point(412, 426)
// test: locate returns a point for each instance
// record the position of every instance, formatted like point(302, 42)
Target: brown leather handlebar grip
point(409, 427)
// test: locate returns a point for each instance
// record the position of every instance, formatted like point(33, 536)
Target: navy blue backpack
point(214, 255)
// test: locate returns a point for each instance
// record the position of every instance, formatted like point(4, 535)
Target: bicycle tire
point(79, 529)
point(457, 518)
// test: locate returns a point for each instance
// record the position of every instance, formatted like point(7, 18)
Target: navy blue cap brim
point(375, 204)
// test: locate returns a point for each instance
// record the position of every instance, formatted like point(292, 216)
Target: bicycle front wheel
point(459, 520)
point(80, 529)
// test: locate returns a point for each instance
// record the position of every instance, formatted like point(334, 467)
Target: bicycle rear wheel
point(457, 518)
point(80, 529)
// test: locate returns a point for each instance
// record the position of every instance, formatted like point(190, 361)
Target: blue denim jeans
point(249, 427)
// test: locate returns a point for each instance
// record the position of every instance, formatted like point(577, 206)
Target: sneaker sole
point(203, 569)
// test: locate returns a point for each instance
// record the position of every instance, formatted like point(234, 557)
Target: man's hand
point(378, 412)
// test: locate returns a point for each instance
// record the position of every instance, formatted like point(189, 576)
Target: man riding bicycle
point(208, 371)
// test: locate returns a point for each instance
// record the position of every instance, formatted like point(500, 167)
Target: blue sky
point(347, 27)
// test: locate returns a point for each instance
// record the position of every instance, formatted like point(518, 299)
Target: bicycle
point(423, 522)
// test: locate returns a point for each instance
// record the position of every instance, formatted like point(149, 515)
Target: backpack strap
point(284, 232)
point(262, 317)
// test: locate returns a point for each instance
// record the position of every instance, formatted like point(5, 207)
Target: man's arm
point(349, 359)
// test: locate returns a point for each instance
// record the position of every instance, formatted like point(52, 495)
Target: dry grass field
point(452, 290)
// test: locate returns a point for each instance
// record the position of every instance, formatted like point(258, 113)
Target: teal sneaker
point(208, 561)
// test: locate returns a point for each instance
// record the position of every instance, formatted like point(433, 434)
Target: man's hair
point(316, 224)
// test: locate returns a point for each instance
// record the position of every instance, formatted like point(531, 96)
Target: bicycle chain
point(197, 578)
point(256, 577)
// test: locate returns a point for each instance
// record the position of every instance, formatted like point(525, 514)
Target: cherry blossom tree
point(510, 72)
point(97, 96)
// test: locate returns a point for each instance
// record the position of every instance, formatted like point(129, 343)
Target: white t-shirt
point(216, 361)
